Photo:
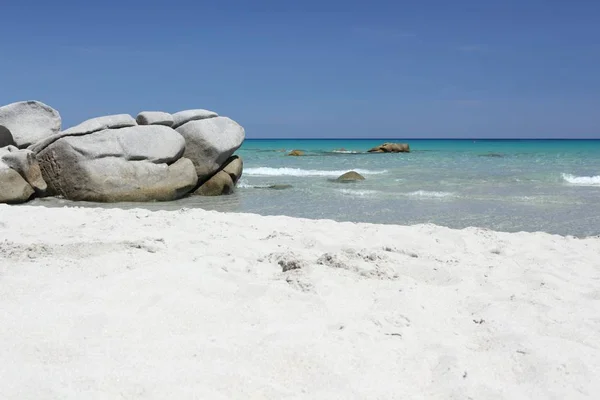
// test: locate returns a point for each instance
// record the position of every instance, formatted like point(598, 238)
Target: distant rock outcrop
point(391, 148)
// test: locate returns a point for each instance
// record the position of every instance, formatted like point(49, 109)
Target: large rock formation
point(391, 148)
point(112, 158)
point(141, 163)
point(210, 142)
point(28, 122)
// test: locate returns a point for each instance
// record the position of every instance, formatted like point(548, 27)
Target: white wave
point(582, 180)
point(346, 151)
point(243, 184)
point(430, 194)
point(354, 192)
point(268, 171)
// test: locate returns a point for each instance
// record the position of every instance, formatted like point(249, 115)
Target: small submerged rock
point(278, 187)
point(350, 176)
point(296, 153)
point(498, 155)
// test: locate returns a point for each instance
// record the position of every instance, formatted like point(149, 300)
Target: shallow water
point(506, 185)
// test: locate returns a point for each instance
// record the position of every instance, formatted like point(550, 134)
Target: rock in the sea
point(28, 122)
point(25, 163)
point(210, 142)
point(140, 163)
point(219, 184)
point(183, 117)
point(296, 153)
point(350, 176)
point(13, 188)
point(391, 148)
point(276, 187)
point(6, 138)
point(234, 167)
point(154, 118)
point(85, 128)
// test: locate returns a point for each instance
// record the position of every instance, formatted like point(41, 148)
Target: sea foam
point(354, 192)
point(268, 171)
point(582, 180)
point(430, 194)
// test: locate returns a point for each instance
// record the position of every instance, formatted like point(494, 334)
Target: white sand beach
point(115, 304)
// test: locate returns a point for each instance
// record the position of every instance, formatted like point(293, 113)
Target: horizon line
point(406, 138)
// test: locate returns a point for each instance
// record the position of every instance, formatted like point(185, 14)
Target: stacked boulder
point(155, 157)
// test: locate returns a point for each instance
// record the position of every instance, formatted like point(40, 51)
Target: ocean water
point(506, 185)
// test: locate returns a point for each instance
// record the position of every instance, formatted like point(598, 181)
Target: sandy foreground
point(192, 304)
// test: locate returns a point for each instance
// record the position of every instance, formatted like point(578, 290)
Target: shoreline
point(179, 205)
point(154, 304)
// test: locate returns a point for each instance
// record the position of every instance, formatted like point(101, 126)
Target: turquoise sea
point(506, 185)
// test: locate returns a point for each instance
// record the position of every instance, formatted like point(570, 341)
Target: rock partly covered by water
point(350, 176)
point(391, 148)
point(112, 158)
point(27, 122)
point(296, 153)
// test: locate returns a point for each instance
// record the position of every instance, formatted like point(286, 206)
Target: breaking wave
point(582, 180)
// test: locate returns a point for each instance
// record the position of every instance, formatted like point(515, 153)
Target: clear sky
point(329, 68)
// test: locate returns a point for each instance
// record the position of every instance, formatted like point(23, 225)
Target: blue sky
point(486, 68)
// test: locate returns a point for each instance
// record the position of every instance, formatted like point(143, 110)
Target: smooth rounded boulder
point(234, 167)
point(183, 117)
point(219, 184)
point(28, 122)
point(86, 127)
point(296, 153)
point(140, 163)
point(154, 118)
point(13, 188)
point(25, 163)
point(210, 142)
